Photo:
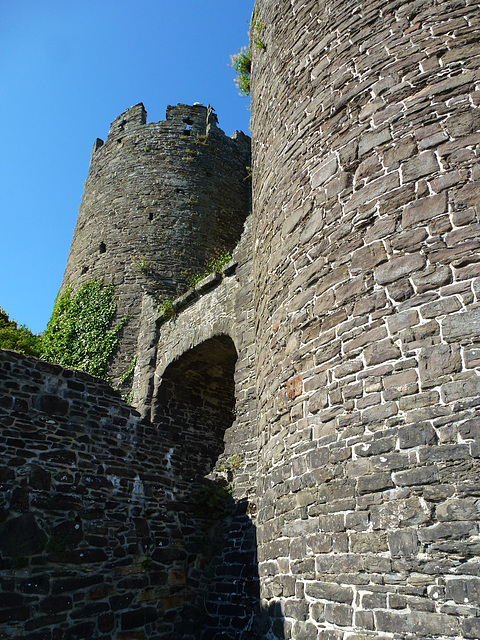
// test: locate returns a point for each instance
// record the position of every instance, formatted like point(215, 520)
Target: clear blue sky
point(67, 69)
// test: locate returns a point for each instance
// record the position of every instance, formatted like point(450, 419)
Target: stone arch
point(195, 405)
point(195, 402)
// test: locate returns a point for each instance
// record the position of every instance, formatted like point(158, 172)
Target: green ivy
point(79, 334)
point(18, 338)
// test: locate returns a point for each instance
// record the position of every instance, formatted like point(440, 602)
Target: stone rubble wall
point(160, 198)
point(366, 192)
point(101, 533)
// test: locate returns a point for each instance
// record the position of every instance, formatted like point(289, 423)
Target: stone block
point(381, 351)
point(461, 389)
point(424, 210)
point(432, 278)
point(329, 591)
point(424, 164)
point(403, 543)
point(463, 590)
point(459, 509)
point(372, 139)
point(368, 542)
point(380, 412)
point(415, 435)
point(420, 624)
point(374, 482)
point(399, 267)
point(53, 405)
point(440, 307)
point(417, 476)
point(339, 614)
point(438, 361)
point(462, 326)
point(324, 172)
point(21, 536)
point(471, 628)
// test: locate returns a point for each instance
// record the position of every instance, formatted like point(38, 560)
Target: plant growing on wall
point(241, 62)
point(214, 264)
point(242, 65)
point(18, 338)
point(80, 334)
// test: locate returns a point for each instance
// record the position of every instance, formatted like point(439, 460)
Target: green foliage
point(165, 308)
point(79, 334)
point(18, 338)
point(256, 29)
point(125, 376)
point(147, 564)
point(242, 65)
point(201, 140)
point(231, 464)
point(212, 500)
point(141, 264)
point(214, 264)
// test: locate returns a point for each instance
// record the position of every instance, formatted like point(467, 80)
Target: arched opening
point(195, 403)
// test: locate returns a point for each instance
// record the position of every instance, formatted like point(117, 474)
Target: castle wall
point(220, 306)
point(160, 198)
point(366, 185)
point(103, 533)
point(194, 371)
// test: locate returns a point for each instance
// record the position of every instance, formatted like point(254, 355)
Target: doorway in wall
point(196, 404)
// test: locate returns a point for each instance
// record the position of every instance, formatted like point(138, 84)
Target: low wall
point(99, 535)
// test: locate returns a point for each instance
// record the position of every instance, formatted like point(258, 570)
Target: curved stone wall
point(160, 198)
point(366, 191)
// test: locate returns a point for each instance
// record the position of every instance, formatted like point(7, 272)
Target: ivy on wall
point(79, 334)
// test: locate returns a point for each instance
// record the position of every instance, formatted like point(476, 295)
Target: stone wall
point(160, 198)
point(366, 190)
point(194, 371)
point(104, 530)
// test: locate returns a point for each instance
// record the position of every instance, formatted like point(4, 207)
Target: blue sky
point(67, 69)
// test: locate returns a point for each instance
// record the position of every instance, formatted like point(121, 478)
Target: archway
point(195, 403)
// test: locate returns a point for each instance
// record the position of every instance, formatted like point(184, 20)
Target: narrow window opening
point(188, 122)
point(84, 270)
point(102, 248)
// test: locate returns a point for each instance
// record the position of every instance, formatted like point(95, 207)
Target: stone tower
point(366, 191)
point(160, 199)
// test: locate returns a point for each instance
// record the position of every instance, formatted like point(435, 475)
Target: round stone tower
point(160, 199)
point(366, 191)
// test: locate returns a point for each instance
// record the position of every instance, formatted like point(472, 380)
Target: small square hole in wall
point(188, 123)
point(102, 248)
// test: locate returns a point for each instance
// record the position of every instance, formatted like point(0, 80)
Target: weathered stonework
point(160, 198)
point(366, 191)
point(303, 460)
point(106, 531)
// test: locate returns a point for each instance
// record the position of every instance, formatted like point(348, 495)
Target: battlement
point(187, 121)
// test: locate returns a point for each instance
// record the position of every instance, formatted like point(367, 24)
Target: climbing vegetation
point(80, 334)
point(241, 62)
